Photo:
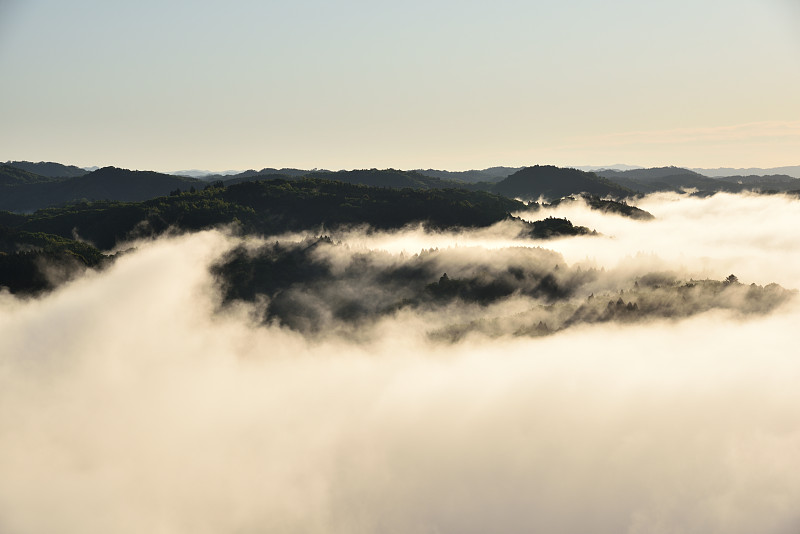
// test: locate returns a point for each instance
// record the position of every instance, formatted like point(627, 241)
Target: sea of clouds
point(132, 400)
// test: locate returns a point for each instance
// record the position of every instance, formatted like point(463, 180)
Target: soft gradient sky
point(435, 83)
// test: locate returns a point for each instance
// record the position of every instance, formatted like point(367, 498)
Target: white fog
point(132, 401)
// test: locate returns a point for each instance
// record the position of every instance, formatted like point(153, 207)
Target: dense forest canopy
point(75, 234)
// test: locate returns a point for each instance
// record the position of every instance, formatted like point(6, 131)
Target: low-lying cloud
point(132, 400)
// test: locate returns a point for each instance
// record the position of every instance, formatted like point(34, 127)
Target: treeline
point(73, 236)
point(298, 285)
point(22, 191)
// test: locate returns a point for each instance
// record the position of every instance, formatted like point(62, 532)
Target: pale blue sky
point(352, 84)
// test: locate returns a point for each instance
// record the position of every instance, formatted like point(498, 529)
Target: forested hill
point(49, 169)
point(529, 183)
point(25, 191)
point(273, 206)
point(387, 178)
point(252, 174)
point(678, 180)
point(109, 183)
point(553, 183)
point(491, 175)
point(13, 176)
point(393, 178)
point(22, 191)
point(260, 207)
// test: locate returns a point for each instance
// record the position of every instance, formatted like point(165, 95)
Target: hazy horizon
point(793, 170)
point(441, 84)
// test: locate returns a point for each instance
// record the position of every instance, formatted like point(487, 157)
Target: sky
point(418, 84)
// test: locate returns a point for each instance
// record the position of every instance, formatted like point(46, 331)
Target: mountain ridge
point(49, 169)
point(550, 182)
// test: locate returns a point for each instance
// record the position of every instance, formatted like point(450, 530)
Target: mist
point(141, 399)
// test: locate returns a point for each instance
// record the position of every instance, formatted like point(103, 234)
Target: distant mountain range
point(722, 172)
point(197, 173)
point(615, 167)
point(492, 174)
point(27, 186)
point(11, 176)
point(527, 183)
point(48, 168)
point(679, 179)
point(231, 175)
point(22, 191)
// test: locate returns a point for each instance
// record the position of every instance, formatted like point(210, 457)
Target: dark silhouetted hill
point(15, 176)
point(268, 207)
point(492, 174)
point(49, 169)
point(392, 178)
point(608, 206)
point(678, 179)
point(385, 178)
point(666, 179)
point(252, 174)
point(646, 175)
point(24, 254)
point(112, 183)
point(792, 171)
point(769, 183)
point(108, 183)
point(553, 183)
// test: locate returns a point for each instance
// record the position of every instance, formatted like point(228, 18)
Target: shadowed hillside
point(492, 174)
point(49, 169)
point(393, 178)
point(553, 183)
point(14, 176)
point(25, 192)
point(677, 179)
point(108, 183)
point(254, 208)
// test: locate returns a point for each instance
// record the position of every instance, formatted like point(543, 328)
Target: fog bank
point(132, 401)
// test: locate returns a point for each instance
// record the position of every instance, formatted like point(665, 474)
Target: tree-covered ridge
point(281, 205)
point(386, 178)
point(677, 179)
point(49, 169)
point(252, 174)
point(260, 208)
point(274, 206)
point(298, 286)
point(57, 185)
point(31, 262)
point(490, 175)
point(108, 183)
point(301, 289)
point(25, 193)
point(13, 176)
point(529, 183)
point(553, 183)
point(608, 206)
point(677, 299)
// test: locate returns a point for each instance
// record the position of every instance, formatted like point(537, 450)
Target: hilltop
point(553, 183)
point(32, 192)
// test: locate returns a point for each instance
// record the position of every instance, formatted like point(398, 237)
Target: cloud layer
point(131, 401)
